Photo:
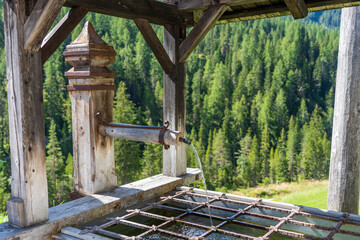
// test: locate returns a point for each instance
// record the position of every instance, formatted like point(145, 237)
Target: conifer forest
point(260, 98)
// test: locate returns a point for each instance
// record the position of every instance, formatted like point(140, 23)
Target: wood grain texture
point(174, 159)
point(26, 119)
point(343, 192)
point(61, 31)
point(154, 11)
point(297, 8)
point(207, 21)
point(191, 5)
point(40, 21)
point(155, 45)
point(94, 164)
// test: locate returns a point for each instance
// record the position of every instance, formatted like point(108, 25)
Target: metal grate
point(271, 220)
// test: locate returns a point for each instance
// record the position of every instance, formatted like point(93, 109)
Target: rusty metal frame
point(224, 220)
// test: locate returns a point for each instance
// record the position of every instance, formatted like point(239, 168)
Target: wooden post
point(174, 159)
point(91, 86)
point(28, 204)
point(343, 192)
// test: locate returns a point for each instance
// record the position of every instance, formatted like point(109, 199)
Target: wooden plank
point(40, 21)
point(154, 11)
point(297, 8)
point(343, 192)
point(155, 45)
point(204, 25)
point(90, 207)
point(61, 31)
point(174, 159)
point(26, 120)
point(191, 5)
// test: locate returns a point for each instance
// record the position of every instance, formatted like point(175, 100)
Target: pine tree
point(127, 153)
point(254, 162)
point(292, 149)
point(221, 159)
point(54, 165)
point(264, 153)
point(282, 165)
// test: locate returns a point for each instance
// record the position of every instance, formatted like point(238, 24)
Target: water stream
point(204, 181)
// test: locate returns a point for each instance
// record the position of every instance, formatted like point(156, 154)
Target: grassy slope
point(307, 193)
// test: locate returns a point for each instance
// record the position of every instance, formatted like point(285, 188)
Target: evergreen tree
point(54, 165)
point(264, 153)
point(127, 153)
point(292, 149)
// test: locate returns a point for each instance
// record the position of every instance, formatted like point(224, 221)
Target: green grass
point(306, 193)
point(3, 217)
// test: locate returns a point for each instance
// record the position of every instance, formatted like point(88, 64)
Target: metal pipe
point(160, 135)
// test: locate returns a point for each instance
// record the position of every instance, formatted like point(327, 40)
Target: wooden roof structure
point(29, 44)
point(189, 11)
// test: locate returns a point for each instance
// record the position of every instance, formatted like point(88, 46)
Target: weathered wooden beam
point(40, 21)
point(343, 192)
point(154, 11)
point(200, 30)
point(297, 8)
point(91, 89)
point(155, 45)
point(174, 159)
point(196, 5)
point(255, 13)
point(29, 192)
point(61, 31)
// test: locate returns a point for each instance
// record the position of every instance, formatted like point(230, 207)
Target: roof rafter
point(297, 8)
point(155, 45)
point(207, 21)
point(60, 32)
point(40, 21)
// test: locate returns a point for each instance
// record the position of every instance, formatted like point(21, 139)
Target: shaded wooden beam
point(154, 11)
point(40, 21)
point(191, 5)
point(61, 31)
point(255, 13)
point(297, 8)
point(204, 25)
point(155, 45)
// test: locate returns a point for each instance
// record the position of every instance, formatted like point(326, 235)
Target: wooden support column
point(174, 159)
point(28, 204)
point(91, 87)
point(343, 192)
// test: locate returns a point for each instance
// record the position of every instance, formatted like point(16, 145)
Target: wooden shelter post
point(91, 87)
point(343, 192)
point(28, 204)
point(174, 159)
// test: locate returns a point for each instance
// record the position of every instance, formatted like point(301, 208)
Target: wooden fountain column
point(343, 192)
point(91, 88)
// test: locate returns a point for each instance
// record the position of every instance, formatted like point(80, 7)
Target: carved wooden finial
point(89, 55)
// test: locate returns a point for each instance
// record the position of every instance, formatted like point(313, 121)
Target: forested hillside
point(259, 103)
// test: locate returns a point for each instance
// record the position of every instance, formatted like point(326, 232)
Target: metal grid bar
point(270, 230)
